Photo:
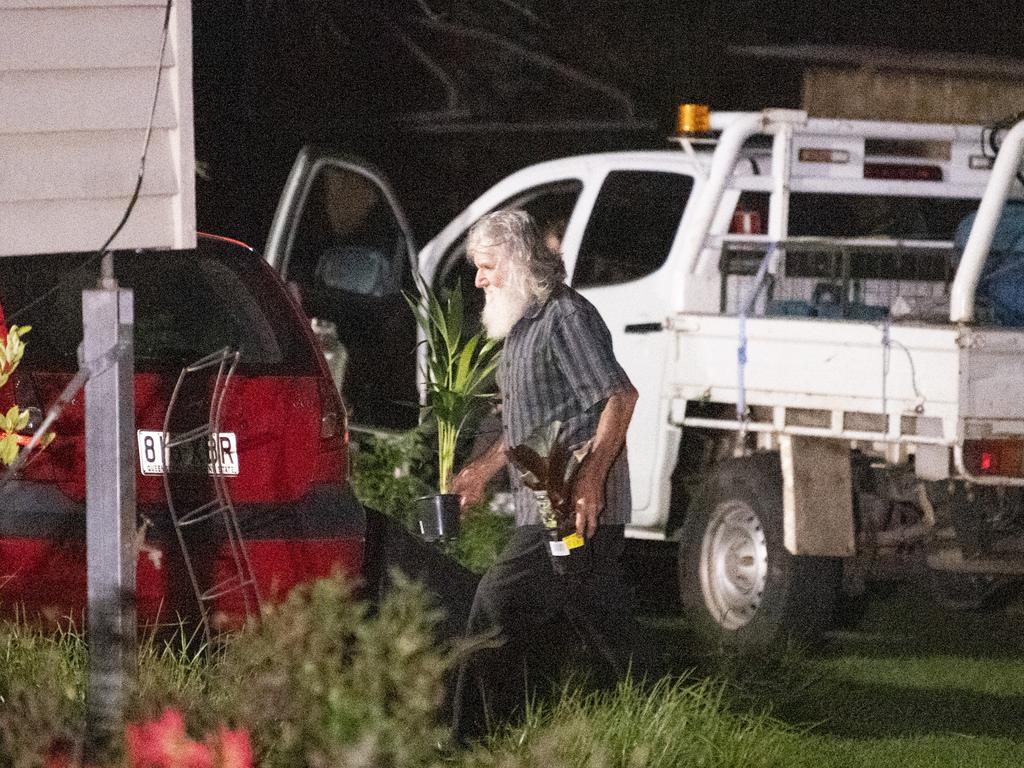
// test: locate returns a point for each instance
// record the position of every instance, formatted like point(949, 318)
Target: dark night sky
point(993, 28)
point(668, 48)
point(274, 74)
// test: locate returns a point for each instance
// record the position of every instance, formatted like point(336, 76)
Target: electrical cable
point(149, 132)
point(887, 343)
point(73, 273)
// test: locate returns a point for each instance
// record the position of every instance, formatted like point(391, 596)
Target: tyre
point(739, 585)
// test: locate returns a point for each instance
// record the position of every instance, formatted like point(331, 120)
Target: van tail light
point(332, 412)
point(333, 461)
point(995, 458)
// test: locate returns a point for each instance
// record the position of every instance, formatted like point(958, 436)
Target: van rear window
point(187, 304)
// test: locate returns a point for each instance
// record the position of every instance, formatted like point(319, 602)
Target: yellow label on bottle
point(573, 540)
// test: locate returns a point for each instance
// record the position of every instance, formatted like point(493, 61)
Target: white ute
point(820, 403)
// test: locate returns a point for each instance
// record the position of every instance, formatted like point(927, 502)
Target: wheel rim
point(733, 564)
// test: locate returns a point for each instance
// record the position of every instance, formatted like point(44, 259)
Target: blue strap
point(741, 351)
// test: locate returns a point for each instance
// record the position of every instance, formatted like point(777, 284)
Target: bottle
point(335, 354)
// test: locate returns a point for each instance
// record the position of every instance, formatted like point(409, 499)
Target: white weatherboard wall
point(76, 87)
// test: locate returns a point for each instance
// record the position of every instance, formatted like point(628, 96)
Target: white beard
point(503, 309)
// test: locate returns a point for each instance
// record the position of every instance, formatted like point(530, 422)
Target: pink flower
point(163, 743)
point(232, 748)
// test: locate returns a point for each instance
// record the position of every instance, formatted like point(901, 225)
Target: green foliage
point(459, 369)
point(386, 474)
point(320, 682)
point(671, 724)
point(323, 684)
point(15, 420)
point(173, 675)
point(482, 536)
point(12, 351)
point(42, 693)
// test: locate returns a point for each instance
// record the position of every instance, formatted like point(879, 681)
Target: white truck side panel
point(76, 81)
point(811, 363)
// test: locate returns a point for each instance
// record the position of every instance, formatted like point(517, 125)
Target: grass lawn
point(908, 685)
point(916, 685)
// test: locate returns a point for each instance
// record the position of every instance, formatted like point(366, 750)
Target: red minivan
point(282, 421)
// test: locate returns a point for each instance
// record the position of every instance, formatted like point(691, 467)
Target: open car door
point(341, 241)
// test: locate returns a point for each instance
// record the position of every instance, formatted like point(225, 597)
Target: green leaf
point(462, 372)
point(457, 367)
point(8, 450)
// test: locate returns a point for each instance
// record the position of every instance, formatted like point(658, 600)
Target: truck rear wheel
point(739, 584)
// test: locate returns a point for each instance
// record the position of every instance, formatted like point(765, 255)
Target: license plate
point(217, 455)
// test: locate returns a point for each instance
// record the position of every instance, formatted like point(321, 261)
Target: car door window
point(632, 227)
point(347, 238)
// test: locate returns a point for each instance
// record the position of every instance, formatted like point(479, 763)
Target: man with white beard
point(557, 365)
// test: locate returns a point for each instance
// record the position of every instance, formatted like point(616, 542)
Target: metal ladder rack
point(220, 366)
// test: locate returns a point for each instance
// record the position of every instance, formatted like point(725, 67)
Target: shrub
point(319, 682)
point(386, 474)
point(481, 538)
point(42, 693)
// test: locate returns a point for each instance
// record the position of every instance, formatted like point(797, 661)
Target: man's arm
point(608, 442)
point(472, 481)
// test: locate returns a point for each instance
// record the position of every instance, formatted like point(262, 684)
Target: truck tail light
point(902, 172)
point(995, 458)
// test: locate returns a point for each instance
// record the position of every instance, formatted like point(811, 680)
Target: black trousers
point(533, 609)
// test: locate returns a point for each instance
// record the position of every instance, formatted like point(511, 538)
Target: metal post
point(108, 320)
point(990, 209)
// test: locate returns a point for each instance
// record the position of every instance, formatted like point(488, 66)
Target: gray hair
point(541, 268)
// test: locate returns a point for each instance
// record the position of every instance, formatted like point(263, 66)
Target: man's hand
point(470, 484)
point(609, 439)
point(588, 499)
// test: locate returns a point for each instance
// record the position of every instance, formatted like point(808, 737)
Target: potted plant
point(458, 374)
point(548, 467)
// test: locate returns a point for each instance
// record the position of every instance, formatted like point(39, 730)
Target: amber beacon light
point(693, 120)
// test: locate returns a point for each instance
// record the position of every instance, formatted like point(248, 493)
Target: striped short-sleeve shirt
point(558, 364)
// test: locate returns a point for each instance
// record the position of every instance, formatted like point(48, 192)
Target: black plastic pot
point(438, 516)
point(565, 561)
